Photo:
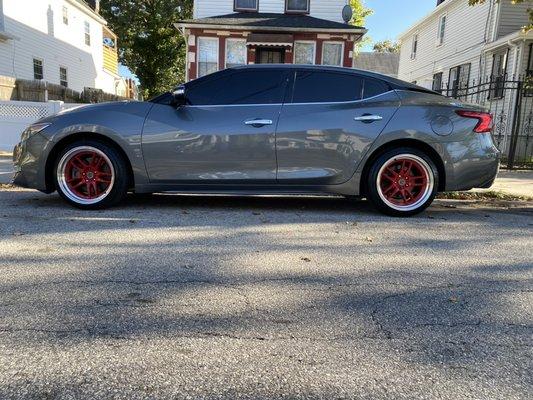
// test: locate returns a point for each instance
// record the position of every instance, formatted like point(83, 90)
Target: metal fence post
point(516, 126)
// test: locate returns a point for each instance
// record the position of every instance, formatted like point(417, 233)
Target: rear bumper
point(29, 160)
point(472, 164)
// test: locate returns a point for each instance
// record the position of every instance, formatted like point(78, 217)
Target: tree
point(529, 10)
point(148, 43)
point(387, 46)
point(360, 14)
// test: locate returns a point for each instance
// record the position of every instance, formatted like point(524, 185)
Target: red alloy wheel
point(405, 181)
point(87, 174)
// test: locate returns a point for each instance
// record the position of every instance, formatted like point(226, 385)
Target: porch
point(224, 41)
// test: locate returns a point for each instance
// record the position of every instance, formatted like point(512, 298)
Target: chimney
point(94, 4)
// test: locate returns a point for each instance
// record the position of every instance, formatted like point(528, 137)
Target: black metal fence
point(510, 100)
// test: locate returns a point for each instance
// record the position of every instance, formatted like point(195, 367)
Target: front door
point(266, 55)
point(225, 134)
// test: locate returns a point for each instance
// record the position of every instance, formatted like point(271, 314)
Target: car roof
point(393, 82)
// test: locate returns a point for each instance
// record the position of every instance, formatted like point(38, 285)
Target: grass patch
point(490, 195)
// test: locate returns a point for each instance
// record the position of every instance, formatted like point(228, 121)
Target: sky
point(390, 18)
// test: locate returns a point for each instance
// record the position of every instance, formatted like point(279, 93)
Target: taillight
point(485, 120)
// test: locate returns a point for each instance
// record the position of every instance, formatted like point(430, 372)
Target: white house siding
point(466, 30)
point(324, 9)
point(40, 33)
point(512, 16)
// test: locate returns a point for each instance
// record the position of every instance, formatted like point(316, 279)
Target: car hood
point(87, 111)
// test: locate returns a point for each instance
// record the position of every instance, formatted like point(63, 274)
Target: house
point(457, 44)
point(225, 33)
point(64, 42)
point(483, 55)
point(383, 63)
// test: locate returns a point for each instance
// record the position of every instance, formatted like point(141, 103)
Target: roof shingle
point(271, 20)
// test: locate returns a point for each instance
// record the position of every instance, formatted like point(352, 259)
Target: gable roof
point(271, 21)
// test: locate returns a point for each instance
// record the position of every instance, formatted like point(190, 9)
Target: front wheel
point(91, 175)
point(402, 182)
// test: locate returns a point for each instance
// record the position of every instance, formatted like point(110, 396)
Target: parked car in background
point(267, 129)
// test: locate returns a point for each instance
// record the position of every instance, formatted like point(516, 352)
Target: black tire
point(114, 168)
point(402, 195)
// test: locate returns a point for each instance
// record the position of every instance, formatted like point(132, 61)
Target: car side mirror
point(178, 96)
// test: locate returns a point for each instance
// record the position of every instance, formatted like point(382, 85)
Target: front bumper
point(29, 160)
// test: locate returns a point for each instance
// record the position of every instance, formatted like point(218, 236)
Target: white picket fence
point(15, 116)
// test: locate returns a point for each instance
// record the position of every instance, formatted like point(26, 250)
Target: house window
point(414, 46)
point(442, 30)
point(235, 52)
point(499, 74)
point(2, 28)
point(38, 72)
point(297, 6)
point(437, 82)
point(65, 15)
point(87, 33)
point(63, 79)
point(246, 5)
point(530, 61)
point(304, 52)
point(207, 56)
point(458, 81)
point(332, 53)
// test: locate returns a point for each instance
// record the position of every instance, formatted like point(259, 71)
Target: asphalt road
point(180, 297)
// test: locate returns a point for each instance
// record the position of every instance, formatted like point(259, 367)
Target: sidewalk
point(514, 183)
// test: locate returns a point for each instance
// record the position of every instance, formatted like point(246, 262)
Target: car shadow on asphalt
point(322, 273)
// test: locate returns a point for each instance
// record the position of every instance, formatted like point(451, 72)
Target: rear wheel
point(402, 182)
point(91, 175)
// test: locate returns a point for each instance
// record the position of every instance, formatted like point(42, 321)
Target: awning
point(270, 40)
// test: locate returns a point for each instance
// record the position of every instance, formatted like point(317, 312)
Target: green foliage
point(360, 13)
point(529, 10)
point(148, 43)
point(387, 46)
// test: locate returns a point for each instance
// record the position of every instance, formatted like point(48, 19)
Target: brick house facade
point(216, 42)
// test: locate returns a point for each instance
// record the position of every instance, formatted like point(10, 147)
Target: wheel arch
point(414, 143)
point(81, 136)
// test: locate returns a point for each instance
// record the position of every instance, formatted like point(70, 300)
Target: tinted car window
point(241, 87)
point(374, 87)
point(326, 87)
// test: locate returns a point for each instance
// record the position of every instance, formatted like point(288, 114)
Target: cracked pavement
point(188, 297)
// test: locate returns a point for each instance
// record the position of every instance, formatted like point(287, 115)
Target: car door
point(225, 133)
point(330, 123)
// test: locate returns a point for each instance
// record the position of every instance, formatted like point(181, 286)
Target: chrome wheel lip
point(427, 191)
point(61, 178)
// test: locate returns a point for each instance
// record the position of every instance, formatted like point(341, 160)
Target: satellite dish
point(347, 13)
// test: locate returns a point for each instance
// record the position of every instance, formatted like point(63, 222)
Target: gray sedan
point(268, 129)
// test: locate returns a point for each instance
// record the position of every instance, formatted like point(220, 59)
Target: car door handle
point(257, 123)
point(368, 118)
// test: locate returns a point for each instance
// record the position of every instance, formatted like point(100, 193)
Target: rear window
point(326, 87)
point(374, 87)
